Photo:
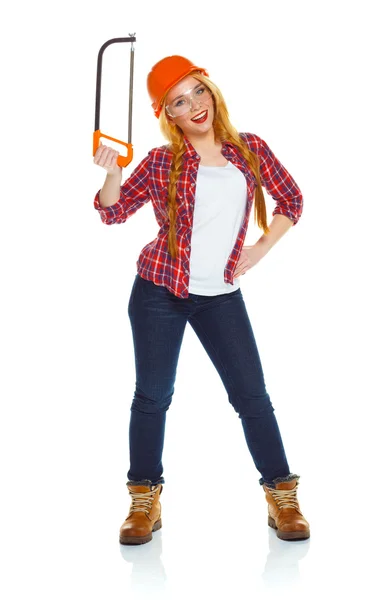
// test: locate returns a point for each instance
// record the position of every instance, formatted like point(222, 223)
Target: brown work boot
point(284, 513)
point(144, 514)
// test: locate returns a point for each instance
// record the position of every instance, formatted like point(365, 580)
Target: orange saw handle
point(122, 161)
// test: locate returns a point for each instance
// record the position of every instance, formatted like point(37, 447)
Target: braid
point(178, 148)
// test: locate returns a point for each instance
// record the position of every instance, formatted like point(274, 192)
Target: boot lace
point(285, 498)
point(142, 501)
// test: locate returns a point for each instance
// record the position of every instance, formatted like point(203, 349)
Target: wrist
point(116, 176)
point(264, 244)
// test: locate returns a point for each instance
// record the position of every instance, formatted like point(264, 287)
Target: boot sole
point(137, 539)
point(288, 535)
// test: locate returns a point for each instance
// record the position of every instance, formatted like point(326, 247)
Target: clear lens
point(182, 105)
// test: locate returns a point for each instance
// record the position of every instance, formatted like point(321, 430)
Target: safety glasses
point(183, 103)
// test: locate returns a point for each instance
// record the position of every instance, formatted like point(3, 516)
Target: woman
point(202, 185)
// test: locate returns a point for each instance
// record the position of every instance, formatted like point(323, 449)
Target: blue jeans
point(158, 319)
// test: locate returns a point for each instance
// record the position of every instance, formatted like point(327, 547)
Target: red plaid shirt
point(149, 181)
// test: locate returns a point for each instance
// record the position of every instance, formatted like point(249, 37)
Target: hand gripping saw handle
point(122, 161)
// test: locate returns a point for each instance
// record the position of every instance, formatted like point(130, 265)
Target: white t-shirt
point(220, 205)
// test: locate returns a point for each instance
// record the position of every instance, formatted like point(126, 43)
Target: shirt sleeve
point(277, 181)
point(134, 193)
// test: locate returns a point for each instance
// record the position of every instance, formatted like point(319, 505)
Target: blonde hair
point(223, 131)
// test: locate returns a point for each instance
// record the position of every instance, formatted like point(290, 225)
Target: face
point(185, 121)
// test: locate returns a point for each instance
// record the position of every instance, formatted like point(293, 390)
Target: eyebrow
point(196, 86)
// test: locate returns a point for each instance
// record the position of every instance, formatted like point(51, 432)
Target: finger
point(240, 272)
point(106, 157)
point(99, 153)
point(110, 161)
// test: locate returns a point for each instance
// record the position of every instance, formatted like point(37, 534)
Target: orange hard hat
point(165, 74)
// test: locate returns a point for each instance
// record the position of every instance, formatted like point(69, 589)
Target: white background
point(301, 76)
